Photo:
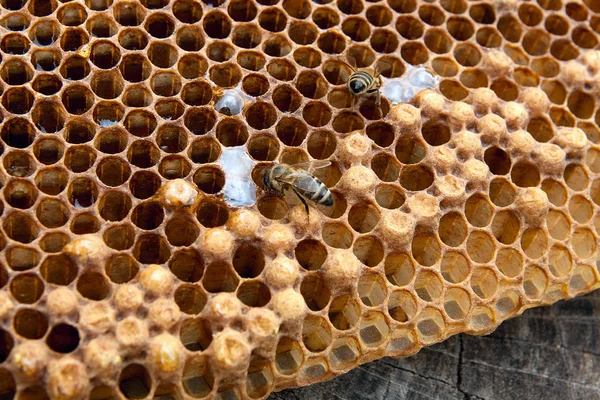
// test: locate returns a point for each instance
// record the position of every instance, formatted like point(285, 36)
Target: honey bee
point(282, 177)
point(366, 80)
point(85, 50)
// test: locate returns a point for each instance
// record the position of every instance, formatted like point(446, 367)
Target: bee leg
point(303, 201)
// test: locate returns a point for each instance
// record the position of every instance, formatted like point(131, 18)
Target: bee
point(366, 80)
point(85, 50)
point(282, 177)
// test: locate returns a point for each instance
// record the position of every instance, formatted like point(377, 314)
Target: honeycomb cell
point(93, 286)
point(133, 39)
point(58, 269)
point(122, 268)
point(288, 356)
point(101, 26)
point(63, 338)
point(135, 381)
point(315, 292)
point(374, 330)
point(576, 177)
point(430, 324)
point(26, 288)
point(260, 377)
point(426, 249)
point(114, 205)
point(190, 299)
point(30, 323)
point(452, 229)
point(484, 283)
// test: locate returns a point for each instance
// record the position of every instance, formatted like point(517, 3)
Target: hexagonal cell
point(416, 177)
point(151, 249)
point(187, 265)
point(508, 303)
point(26, 288)
point(455, 267)
point(219, 277)
point(506, 227)
point(583, 278)
point(399, 269)
point(371, 289)
point(374, 329)
point(315, 291)
point(580, 209)
point(197, 379)
point(289, 356)
point(478, 210)
point(535, 282)
point(430, 325)
point(457, 303)
point(402, 306)
point(260, 377)
point(385, 167)
point(502, 192)
point(30, 323)
point(191, 300)
point(480, 247)
point(452, 229)
point(121, 268)
point(344, 353)
point(337, 235)
point(576, 177)
point(428, 285)
point(53, 242)
point(135, 382)
point(343, 312)
point(558, 225)
point(316, 333)
point(584, 243)
point(484, 283)
point(114, 205)
point(21, 258)
point(426, 249)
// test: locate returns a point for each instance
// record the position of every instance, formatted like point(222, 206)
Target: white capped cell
point(405, 87)
point(239, 189)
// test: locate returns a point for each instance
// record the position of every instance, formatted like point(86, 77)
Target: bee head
point(357, 86)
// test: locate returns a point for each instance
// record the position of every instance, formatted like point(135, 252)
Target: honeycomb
point(124, 273)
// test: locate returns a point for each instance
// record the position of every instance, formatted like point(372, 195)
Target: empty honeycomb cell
point(75, 68)
point(15, 44)
point(484, 283)
point(325, 17)
point(331, 42)
point(30, 323)
point(581, 104)
point(435, 132)
point(82, 193)
point(113, 171)
point(534, 243)
point(111, 141)
point(190, 38)
point(302, 33)
point(8, 386)
point(191, 66)
point(411, 150)
point(444, 66)
point(21, 258)
point(143, 154)
point(306, 57)
point(454, 267)
point(136, 39)
point(121, 268)
point(561, 117)
point(190, 299)
point(363, 217)
point(481, 247)
point(563, 50)
point(385, 167)
point(51, 181)
point(426, 249)
point(535, 282)
point(583, 278)
point(79, 130)
point(372, 290)
point(430, 324)
point(107, 85)
point(541, 129)
point(199, 120)
point(119, 237)
point(135, 68)
point(197, 379)
point(93, 286)
point(555, 90)
point(248, 261)
point(212, 213)
point(241, 11)
point(114, 205)
point(53, 242)
point(452, 229)
point(374, 329)
point(506, 89)
point(26, 288)
point(289, 356)
point(171, 138)
point(356, 28)
point(525, 174)
point(18, 133)
point(416, 177)
point(159, 25)
point(232, 132)
point(187, 265)
point(506, 227)
point(101, 26)
point(273, 207)
point(556, 25)
point(174, 167)
point(583, 242)
point(19, 164)
point(206, 150)
point(220, 278)
point(272, 19)
point(311, 254)
point(502, 192)
point(260, 377)
point(148, 215)
point(63, 338)
point(209, 179)
point(316, 113)
point(576, 177)
point(181, 231)
point(507, 304)
point(16, 72)
point(291, 131)
point(315, 292)
point(46, 32)
point(254, 293)
point(216, 24)
point(583, 38)
point(457, 303)
point(73, 38)
point(389, 196)
point(78, 99)
point(556, 191)
point(52, 213)
point(343, 312)
point(135, 382)
point(368, 250)
point(580, 209)
point(530, 14)
point(162, 55)
point(546, 67)
point(337, 235)
point(20, 194)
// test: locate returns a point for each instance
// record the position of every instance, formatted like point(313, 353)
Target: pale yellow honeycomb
point(124, 273)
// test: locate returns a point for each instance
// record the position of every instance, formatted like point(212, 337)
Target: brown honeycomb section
point(125, 274)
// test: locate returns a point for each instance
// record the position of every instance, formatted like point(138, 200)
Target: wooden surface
point(547, 353)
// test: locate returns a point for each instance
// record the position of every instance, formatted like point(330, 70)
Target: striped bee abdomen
point(360, 82)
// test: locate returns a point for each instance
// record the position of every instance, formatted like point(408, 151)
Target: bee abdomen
point(322, 195)
point(363, 79)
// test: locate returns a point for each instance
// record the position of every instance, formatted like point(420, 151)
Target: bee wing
point(351, 62)
point(381, 67)
point(312, 165)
